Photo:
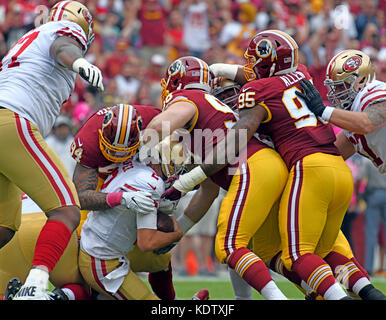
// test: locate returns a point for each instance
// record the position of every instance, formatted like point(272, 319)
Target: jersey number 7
point(19, 47)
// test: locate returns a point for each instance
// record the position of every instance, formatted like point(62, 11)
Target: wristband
point(185, 223)
point(114, 199)
point(225, 70)
point(326, 115)
point(189, 180)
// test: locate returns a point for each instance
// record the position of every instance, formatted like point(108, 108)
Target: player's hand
point(167, 206)
point(88, 72)
point(172, 193)
point(184, 183)
point(139, 201)
point(312, 97)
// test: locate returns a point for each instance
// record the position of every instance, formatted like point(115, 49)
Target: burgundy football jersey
point(212, 121)
point(85, 147)
point(296, 132)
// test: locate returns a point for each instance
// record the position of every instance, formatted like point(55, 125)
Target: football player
point(66, 275)
point(268, 101)
point(38, 75)
point(253, 185)
point(108, 138)
point(346, 268)
point(359, 106)
point(109, 235)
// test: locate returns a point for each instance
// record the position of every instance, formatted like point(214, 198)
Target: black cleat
point(369, 292)
point(346, 298)
point(13, 287)
point(58, 294)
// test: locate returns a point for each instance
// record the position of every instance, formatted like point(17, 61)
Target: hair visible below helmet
point(76, 12)
point(347, 73)
point(186, 73)
point(174, 159)
point(227, 91)
point(270, 53)
point(119, 137)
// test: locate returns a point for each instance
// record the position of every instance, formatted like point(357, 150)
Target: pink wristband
point(114, 199)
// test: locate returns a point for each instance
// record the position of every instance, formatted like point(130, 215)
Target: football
point(164, 222)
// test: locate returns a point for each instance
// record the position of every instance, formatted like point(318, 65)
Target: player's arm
point(249, 122)
point(86, 181)
point(151, 239)
point(344, 145)
point(368, 121)
point(198, 205)
point(177, 115)
point(67, 52)
point(365, 122)
point(232, 72)
point(236, 140)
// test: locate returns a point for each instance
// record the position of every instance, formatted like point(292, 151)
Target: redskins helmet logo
point(175, 67)
point(264, 48)
point(107, 118)
point(352, 64)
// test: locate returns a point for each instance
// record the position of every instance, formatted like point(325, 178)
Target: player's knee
point(69, 215)
point(220, 252)
point(6, 235)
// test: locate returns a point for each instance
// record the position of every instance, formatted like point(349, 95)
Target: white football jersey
point(32, 83)
point(111, 233)
point(373, 145)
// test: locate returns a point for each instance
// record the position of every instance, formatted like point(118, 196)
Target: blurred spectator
point(128, 82)
point(375, 215)
point(111, 96)
point(368, 14)
point(153, 17)
point(60, 140)
point(236, 34)
point(116, 59)
point(109, 30)
point(196, 27)
point(174, 36)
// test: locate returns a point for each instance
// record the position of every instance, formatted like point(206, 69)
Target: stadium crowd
point(136, 40)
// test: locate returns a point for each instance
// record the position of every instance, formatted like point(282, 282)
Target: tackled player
point(38, 76)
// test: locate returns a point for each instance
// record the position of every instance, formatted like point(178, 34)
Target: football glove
point(167, 206)
point(139, 201)
point(88, 72)
point(312, 97)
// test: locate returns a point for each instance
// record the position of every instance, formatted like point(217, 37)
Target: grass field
point(220, 288)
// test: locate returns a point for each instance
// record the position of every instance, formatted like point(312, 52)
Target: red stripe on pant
point(102, 269)
point(237, 209)
point(39, 161)
point(293, 211)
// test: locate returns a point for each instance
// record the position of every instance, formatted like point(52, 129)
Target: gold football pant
point(313, 204)
point(27, 163)
point(132, 288)
point(16, 257)
point(249, 200)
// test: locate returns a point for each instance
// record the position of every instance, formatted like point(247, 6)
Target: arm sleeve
point(72, 30)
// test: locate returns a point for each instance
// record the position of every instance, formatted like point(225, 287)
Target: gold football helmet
point(76, 12)
point(174, 158)
point(347, 74)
